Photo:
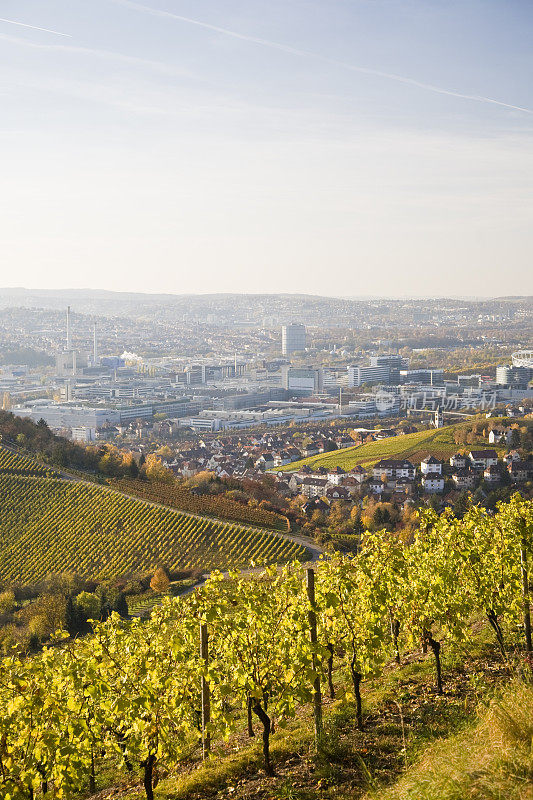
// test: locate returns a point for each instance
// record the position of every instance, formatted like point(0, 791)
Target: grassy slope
point(490, 760)
point(54, 526)
point(415, 446)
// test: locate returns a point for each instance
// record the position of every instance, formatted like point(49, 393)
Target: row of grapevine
point(171, 494)
point(51, 525)
point(17, 464)
point(138, 692)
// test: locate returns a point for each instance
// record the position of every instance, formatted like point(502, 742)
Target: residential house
point(357, 473)
point(405, 485)
point(337, 493)
point(465, 479)
point(265, 461)
point(335, 475)
point(492, 474)
point(385, 433)
point(401, 500)
point(431, 465)
point(294, 453)
point(513, 455)
point(305, 470)
point(520, 470)
point(481, 459)
point(283, 488)
point(282, 458)
point(376, 486)
point(190, 468)
point(344, 441)
point(314, 487)
point(497, 434)
point(432, 483)
point(394, 469)
point(295, 483)
point(316, 504)
point(351, 484)
point(458, 461)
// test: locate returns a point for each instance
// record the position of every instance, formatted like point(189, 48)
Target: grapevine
point(132, 689)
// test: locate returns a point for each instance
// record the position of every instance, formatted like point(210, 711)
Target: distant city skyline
point(95, 290)
point(353, 149)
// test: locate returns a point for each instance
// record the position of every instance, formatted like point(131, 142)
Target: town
point(312, 417)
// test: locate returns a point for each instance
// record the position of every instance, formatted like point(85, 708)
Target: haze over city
point(266, 399)
point(339, 148)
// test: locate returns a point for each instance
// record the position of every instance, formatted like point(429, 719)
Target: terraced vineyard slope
point(16, 464)
point(415, 446)
point(49, 525)
point(175, 496)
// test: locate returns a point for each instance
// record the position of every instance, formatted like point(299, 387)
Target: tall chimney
point(74, 365)
point(95, 347)
point(68, 327)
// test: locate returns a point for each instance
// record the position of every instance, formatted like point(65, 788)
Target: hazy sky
point(326, 146)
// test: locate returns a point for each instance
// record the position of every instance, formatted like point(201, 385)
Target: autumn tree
point(160, 580)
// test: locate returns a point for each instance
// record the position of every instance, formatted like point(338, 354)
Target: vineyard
point(16, 464)
point(49, 525)
point(171, 494)
point(415, 446)
point(137, 695)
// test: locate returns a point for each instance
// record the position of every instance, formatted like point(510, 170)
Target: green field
point(414, 446)
point(49, 525)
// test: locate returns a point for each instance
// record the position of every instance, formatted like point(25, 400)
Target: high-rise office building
point(357, 375)
point(389, 360)
point(292, 338)
point(517, 377)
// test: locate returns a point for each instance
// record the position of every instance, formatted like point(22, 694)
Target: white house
point(314, 487)
point(335, 475)
point(358, 473)
point(433, 483)
point(431, 465)
point(265, 461)
point(497, 434)
point(376, 486)
point(394, 469)
point(282, 458)
point(481, 459)
point(458, 461)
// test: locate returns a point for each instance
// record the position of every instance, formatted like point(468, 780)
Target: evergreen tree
point(121, 606)
point(461, 505)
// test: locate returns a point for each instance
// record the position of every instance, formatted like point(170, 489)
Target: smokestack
point(74, 365)
point(95, 348)
point(68, 327)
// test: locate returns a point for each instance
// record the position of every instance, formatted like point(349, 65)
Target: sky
point(335, 147)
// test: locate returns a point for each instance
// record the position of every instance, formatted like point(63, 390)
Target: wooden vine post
point(206, 698)
point(525, 597)
point(317, 693)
